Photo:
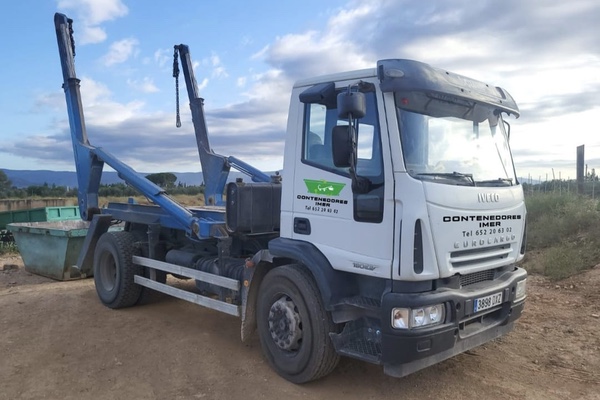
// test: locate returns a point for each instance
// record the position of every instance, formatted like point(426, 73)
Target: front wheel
point(294, 326)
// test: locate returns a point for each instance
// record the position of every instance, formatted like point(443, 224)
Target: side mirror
point(351, 104)
point(341, 145)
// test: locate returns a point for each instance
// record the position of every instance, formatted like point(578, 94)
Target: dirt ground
point(58, 342)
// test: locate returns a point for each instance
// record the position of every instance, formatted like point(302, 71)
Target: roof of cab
point(341, 76)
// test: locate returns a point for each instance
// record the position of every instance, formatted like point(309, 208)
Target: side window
point(319, 120)
point(365, 142)
point(315, 149)
point(318, 124)
point(369, 161)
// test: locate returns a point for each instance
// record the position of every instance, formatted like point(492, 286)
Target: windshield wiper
point(455, 176)
point(495, 182)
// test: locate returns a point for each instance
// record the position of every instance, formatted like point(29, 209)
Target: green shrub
point(563, 234)
point(6, 248)
point(567, 259)
point(554, 218)
point(540, 204)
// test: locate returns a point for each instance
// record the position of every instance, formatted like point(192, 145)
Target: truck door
point(353, 230)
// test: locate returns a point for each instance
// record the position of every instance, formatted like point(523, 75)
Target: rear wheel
point(294, 326)
point(114, 270)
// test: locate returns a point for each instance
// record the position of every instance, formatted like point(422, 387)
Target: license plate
point(483, 303)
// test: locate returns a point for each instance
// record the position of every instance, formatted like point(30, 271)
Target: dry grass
point(183, 199)
point(563, 234)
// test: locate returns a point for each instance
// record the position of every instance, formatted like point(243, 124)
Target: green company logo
point(323, 187)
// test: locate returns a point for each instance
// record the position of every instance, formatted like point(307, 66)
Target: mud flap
point(256, 269)
point(85, 263)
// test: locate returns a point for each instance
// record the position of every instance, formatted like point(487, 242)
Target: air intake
point(418, 248)
point(476, 277)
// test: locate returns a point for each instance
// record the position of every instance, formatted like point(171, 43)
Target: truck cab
point(435, 232)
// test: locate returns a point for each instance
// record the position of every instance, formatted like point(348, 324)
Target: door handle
point(302, 226)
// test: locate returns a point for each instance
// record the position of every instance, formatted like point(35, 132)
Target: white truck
point(392, 236)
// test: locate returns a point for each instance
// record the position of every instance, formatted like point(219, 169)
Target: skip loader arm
point(215, 167)
point(89, 160)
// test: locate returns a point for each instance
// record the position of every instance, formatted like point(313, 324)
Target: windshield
point(452, 150)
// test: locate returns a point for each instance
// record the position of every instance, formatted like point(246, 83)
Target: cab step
point(359, 340)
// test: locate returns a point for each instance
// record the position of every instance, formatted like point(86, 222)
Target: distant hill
point(24, 178)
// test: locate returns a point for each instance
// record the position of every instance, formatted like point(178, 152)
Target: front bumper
point(406, 351)
point(369, 335)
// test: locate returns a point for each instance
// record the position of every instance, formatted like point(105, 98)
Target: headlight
point(520, 291)
point(418, 317)
point(400, 318)
point(436, 313)
point(406, 318)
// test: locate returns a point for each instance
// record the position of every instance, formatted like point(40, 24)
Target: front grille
point(471, 257)
point(476, 277)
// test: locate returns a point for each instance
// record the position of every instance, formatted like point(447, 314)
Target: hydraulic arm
point(215, 167)
point(90, 160)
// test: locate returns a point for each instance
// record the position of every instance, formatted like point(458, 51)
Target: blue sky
point(546, 53)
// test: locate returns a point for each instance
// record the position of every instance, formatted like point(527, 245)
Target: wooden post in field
point(580, 159)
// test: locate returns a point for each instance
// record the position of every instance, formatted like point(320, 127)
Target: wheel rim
point(285, 325)
point(108, 272)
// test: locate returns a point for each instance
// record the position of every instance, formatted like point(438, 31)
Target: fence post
point(580, 159)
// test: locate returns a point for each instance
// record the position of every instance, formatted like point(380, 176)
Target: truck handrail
point(90, 159)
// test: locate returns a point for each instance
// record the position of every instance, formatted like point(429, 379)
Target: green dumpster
point(39, 215)
point(51, 248)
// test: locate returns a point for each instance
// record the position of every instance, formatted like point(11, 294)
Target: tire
point(147, 295)
point(294, 326)
point(114, 271)
point(141, 238)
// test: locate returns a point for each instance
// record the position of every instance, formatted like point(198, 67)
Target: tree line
point(165, 180)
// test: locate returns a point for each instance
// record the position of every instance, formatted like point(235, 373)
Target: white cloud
point(93, 92)
point(101, 109)
point(120, 51)
point(91, 34)
point(163, 56)
point(203, 84)
point(246, 41)
point(90, 14)
point(214, 62)
point(219, 72)
point(259, 55)
point(241, 81)
point(54, 101)
point(145, 85)
point(345, 20)
point(96, 11)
